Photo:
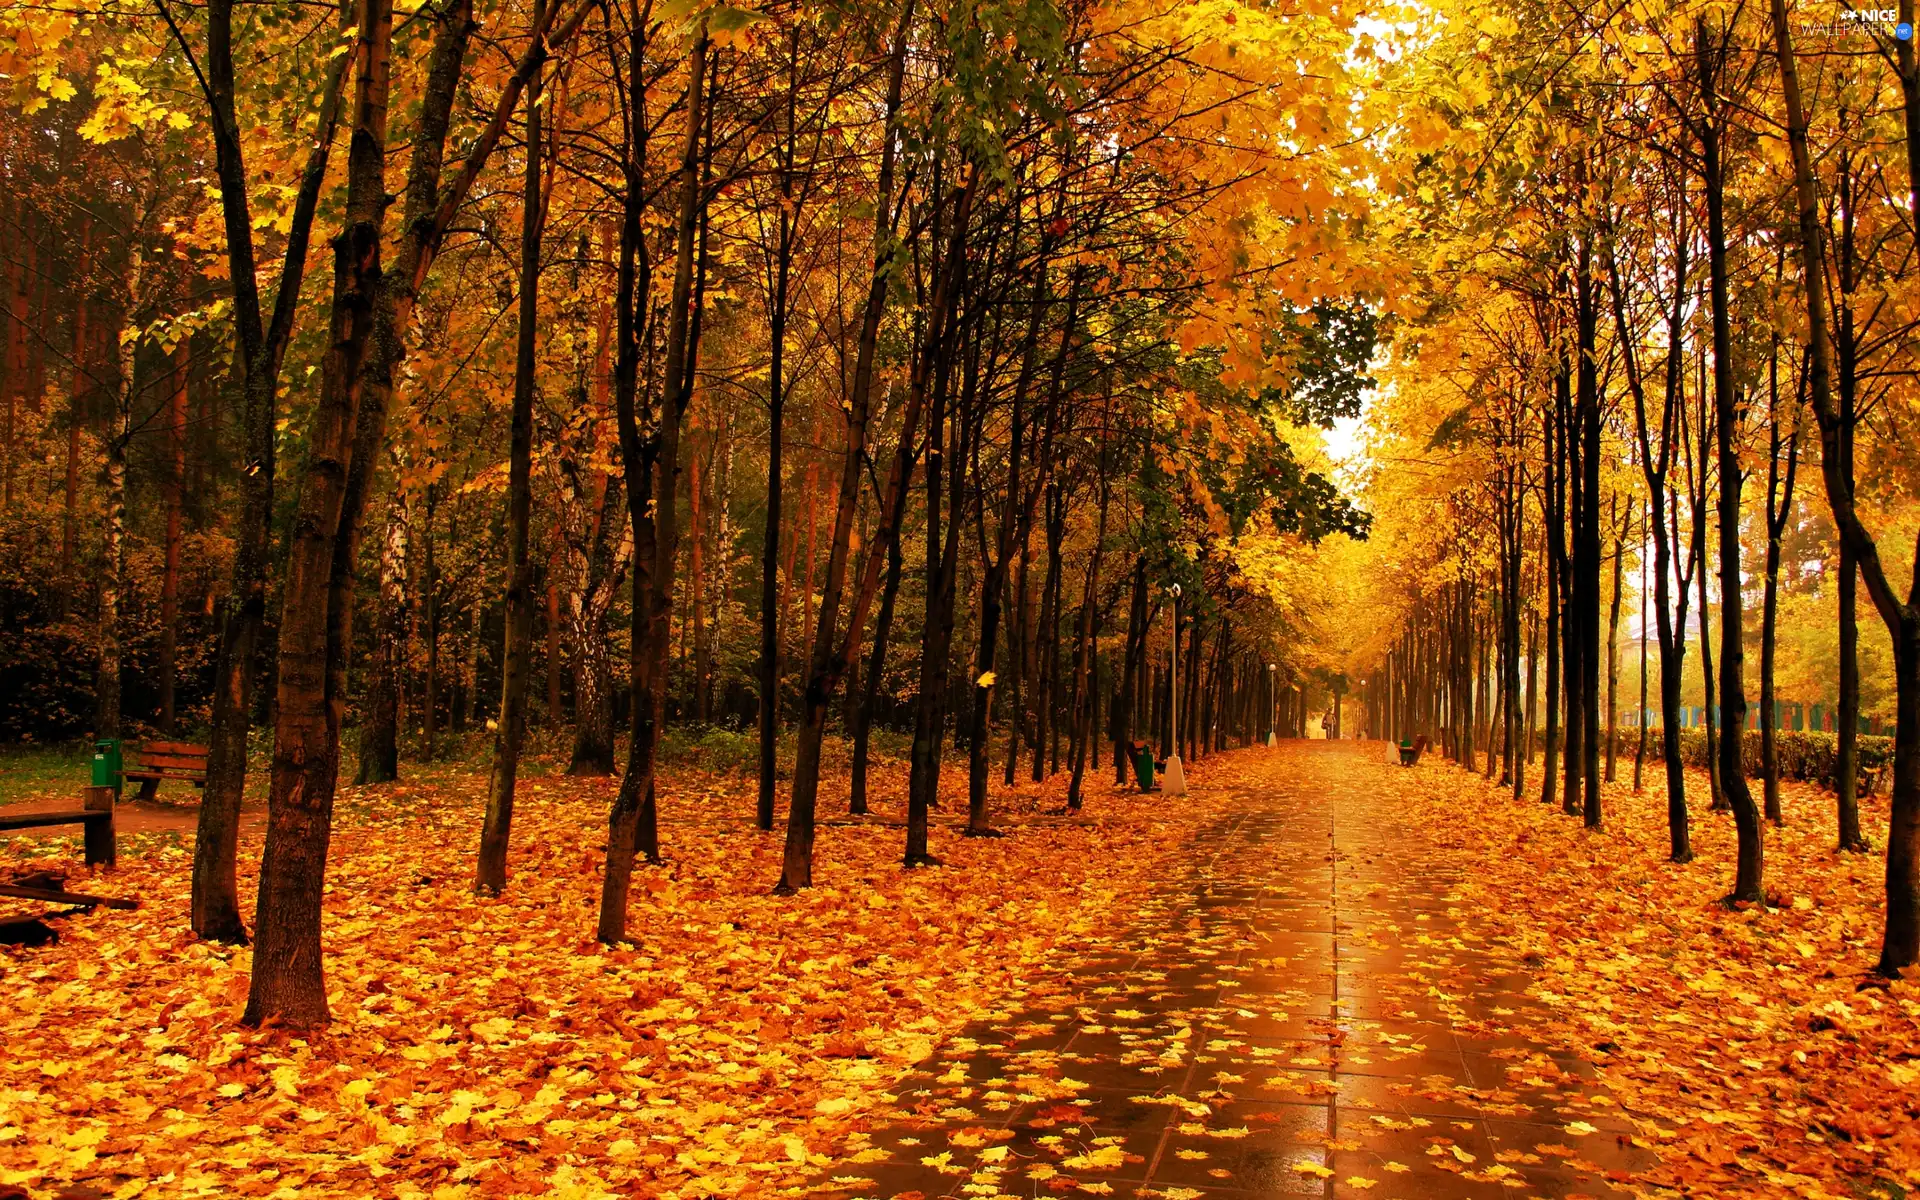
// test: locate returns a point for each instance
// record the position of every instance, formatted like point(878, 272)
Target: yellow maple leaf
point(1105, 1158)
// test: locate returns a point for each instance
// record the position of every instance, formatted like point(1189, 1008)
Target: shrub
point(1807, 756)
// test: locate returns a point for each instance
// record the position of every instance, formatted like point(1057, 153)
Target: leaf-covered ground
point(1305, 1010)
point(1762, 1055)
point(490, 1047)
point(1501, 1004)
point(1385, 983)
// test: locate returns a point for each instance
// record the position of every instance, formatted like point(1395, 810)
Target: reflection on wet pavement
point(1303, 1012)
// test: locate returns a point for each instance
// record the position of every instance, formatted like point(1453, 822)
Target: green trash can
point(106, 764)
point(1143, 767)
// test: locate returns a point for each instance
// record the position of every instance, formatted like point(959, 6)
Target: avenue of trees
point(1656, 402)
point(389, 384)
point(379, 376)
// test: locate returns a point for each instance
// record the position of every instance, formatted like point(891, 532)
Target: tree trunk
point(827, 663)
point(430, 585)
point(126, 384)
point(1125, 703)
point(1846, 774)
point(77, 404)
point(1489, 699)
point(1656, 459)
point(1048, 632)
point(15, 364)
point(1901, 944)
point(593, 739)
point(923, 785)
point(1613, 653)
point(516, 659)
point(1533, 675)
point(552, 629)
point(719, 578)
point(1707, 699)
point(1463, 673)
point(694, 602)
point(1019, 657)
point(380, 729)
point(1553, 534)
point(1056, 574)
point(288, 980)
point(652, 495)
point(1640, 753)
point(769, 666)
point(811, 488)
point(215, 902)
point(876, 672)
point(1513, 512)
point(1187, 718)
point(1015, 519)
point(466, 676)
point(602, 568)
point(1779, 509)
point(371, 311)
point(106, 696)
point(1587, 557)
point(176, 513)
point(1083, 646)
point(1749, 880)
point(1519, 724)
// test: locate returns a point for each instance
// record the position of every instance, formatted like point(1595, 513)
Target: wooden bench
point(157, 761)
point(1410, 751)
point(95, 816)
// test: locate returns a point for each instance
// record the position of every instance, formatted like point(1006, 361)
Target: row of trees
point(1672, 265)
point(1038, 305)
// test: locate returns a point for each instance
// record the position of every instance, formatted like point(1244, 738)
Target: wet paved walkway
point(1304, 1013)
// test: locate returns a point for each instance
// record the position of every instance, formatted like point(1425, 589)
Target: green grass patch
point(33, 772)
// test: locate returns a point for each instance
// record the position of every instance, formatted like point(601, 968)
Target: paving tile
point(1278, 1023)
point(1260, 1165)
point(1403, 1065)
point(1607, 1149)
point(1442, 1096)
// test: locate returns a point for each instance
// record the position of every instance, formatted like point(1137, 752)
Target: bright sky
point(1344, 440)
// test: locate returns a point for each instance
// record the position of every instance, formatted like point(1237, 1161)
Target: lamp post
point(1273, 706)
point(1175, 781)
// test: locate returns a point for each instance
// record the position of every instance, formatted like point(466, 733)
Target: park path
point(1302, 1011)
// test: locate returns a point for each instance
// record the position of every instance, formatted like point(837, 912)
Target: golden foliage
point(490, 1047)
point(1749, 1044)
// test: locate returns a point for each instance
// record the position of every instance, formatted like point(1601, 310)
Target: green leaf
point(1454, 429)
